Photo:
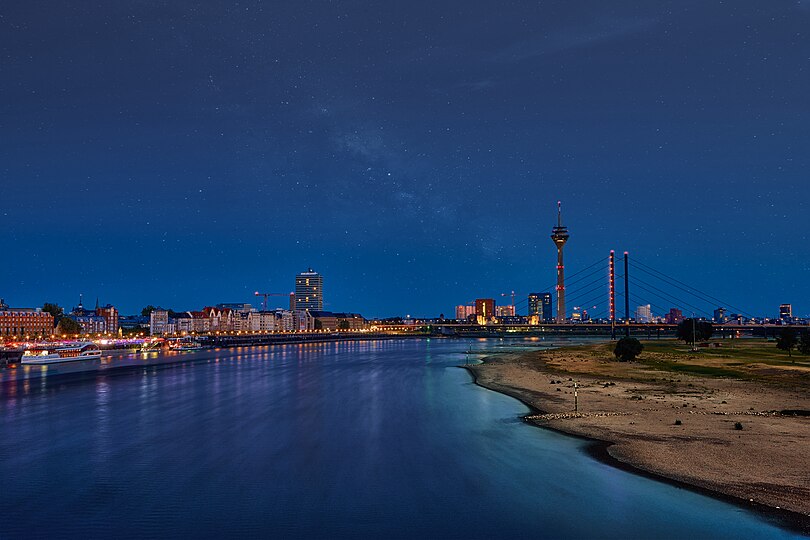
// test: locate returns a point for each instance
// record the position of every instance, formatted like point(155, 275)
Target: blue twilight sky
point(185, 154)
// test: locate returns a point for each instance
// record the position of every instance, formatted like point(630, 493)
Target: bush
point(738, 426)
point(804, 342)
point(693, 330)
point(677, 422)
point(627, 349)
point(787, 340)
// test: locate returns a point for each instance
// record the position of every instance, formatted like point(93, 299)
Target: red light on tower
point(612, 293)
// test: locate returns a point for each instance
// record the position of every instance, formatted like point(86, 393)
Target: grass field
point(752, 359)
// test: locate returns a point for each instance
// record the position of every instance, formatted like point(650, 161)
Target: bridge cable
point(642, 266)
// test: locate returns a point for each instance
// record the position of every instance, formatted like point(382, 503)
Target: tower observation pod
point(559, 235)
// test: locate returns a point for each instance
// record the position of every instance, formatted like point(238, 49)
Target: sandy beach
point(658, 417)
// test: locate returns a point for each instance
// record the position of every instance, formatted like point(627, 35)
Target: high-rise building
point(786, 312)
point(484, 309)
point(309, 291)
point(559, 235)
point(548, 311)
point(535, 305)
point(719, 315)
point(644, 314)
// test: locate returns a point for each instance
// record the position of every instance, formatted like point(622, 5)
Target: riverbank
point(665, 415)
point(123, 360)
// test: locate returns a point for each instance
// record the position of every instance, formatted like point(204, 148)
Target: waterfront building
point(200, 322)
point(133, 323)
point(559, 235)
point(786, 312)
point(285, 320)
point(88, 319)
point(303, 320)
point(90, 323)
point(241, 321)
point(644, 314)
point(324, 320)
point(719, 315)
point(159, 322)
point(309, 290)
point(182, 323)
point(463, 313)
point(110, 315)
point(220, 320)
point(264, 322)
point(484, 310)
point(21, 322)
point(350, 321)
point(675, 316)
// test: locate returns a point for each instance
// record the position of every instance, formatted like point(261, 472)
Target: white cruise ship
point(60, 353)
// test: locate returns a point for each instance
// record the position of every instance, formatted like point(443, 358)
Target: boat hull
point(46, 361)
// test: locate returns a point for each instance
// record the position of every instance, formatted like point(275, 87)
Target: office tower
point(786, 312)
point(309, 290)
point(644, 314)
point(536, 305)
point(548, 310)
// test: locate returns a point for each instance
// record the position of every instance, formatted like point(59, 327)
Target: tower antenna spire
point(559, 235)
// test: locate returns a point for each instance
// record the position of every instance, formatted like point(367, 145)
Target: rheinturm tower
point(560, 236)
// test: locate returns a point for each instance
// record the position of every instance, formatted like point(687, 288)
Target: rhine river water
point(366, 439)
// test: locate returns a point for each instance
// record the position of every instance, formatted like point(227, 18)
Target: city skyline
point(413, 162)
point(302, 290)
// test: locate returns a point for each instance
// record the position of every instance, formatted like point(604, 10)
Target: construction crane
point(265, 295)
point(512, 294)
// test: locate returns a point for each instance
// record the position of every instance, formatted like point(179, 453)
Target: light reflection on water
point(387, 439)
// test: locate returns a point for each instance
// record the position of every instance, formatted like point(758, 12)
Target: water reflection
point(383, 439)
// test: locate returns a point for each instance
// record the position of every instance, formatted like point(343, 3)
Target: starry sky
point(184, 154)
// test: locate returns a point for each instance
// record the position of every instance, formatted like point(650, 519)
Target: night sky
point(184, 154)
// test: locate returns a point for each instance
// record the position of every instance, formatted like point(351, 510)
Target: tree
point(145, 312)
point(53, 309)
point(692, 330)
point(68, 326)
point(627, 349)
point(786, 340)
point(804, 342)
point(343, 325)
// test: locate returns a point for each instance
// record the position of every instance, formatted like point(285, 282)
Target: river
point(359, 439)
